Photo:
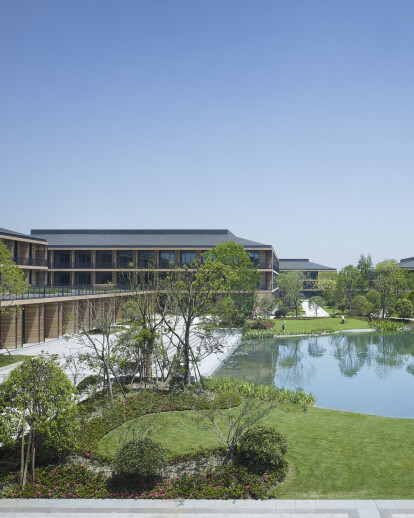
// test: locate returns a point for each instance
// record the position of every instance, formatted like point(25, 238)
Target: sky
point(288, 122)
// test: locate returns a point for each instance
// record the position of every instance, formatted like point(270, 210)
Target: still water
point(371, 373)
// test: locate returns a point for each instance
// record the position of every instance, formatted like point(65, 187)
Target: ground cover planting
point(307, 326)
point(8, 359)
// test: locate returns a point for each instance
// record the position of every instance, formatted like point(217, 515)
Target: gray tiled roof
point(407, 263)
point(11, 233)
point(301, 264)
point(141, 238)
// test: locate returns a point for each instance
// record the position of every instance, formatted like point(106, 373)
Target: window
point(124, 278)
point(83, 259)
point(83, 278)
point(254, 257)
point(145, 258)
point(125, 258)
point(165, 258)
point(103, 259)
point(62, 279)
point(62, 259)
point(103, 277)
point(188, 258)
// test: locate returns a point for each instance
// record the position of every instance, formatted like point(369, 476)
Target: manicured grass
point(328, 324)
point(6, 359)
point(331, 454)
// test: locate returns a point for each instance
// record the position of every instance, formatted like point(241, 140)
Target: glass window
point(103, 259)
point(145, 258)
point(62, 259)
point(125, 258)
point(124, 278)
point(103, 277)
point(83, 278)
point(83, 258)
point(254, 257)
point(165, 258)
point(188, 258)
point(62, 279)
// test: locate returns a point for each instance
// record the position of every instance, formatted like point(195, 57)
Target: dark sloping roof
point(12, 233)
point(141, 238)
point(301, 264)
point(407, 263)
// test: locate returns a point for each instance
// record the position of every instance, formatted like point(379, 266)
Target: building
point(309, 269)
point(71, 269)
point(407, 264)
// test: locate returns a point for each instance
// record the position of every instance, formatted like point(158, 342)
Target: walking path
point(313, 312)
point(80, 508)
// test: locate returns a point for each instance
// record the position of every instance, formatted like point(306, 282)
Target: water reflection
point(367, 372)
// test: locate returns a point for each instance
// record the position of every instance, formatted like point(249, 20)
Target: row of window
point(125, 258)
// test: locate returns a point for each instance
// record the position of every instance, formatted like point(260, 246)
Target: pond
point(370, 373)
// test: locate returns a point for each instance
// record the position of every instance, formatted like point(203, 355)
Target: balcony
point(30, 261)
point(42, 292)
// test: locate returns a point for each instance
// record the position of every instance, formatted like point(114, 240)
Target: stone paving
point(209, 508)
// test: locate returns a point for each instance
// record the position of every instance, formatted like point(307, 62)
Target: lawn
point(319, 325)
point(6, 359)
point(331, 454)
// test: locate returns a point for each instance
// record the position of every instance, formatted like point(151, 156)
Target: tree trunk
point(29, 441)
point(148, 364)
point(187, 356)
point(33, 456)
point(22, 448)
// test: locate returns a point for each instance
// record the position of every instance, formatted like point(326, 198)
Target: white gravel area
point(311, 312)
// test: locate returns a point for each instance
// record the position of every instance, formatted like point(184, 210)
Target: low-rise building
point(309, 269)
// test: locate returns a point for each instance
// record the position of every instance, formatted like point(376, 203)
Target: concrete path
point(310, 312)
point(208, 508)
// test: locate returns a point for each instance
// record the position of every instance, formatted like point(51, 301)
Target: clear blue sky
point(288, 122)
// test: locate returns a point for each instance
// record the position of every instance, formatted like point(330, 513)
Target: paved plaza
point(209, 508)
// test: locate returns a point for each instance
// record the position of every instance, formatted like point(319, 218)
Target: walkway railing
point(42, 292)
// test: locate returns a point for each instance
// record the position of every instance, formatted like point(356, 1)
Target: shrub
point(87, 382)
point(259, 324)
point(404, 308)
point(141, 460)
point(261, 449)
point(281, 311)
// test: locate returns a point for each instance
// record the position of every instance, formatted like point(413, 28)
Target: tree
point(36, 400)
point(315, 303)
point(391, 282)
point(266, 303)
point(326, 283)
point(100, 342)
point(373, 297)
point(291, 286)
point(404, 308)
point(236, 280)
point(12, 280)
point(349, 283)
point(191, 292)
point(361, 306)
point(365, 268)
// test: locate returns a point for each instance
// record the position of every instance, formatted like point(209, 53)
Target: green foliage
point(281, 310)
point(261, 449)
point(391, 282)
point(246, 389)
point(386, 325)
point(291, 286)
point(373, 297)
point(143, 403)
point(72, 482)
point(365, 268)
point(361, 306)
point(259, 324)
point(12, 279)
point(349, 283)
point(266, 303)
point(141, 460)
point(87, 383)
point(404, 308)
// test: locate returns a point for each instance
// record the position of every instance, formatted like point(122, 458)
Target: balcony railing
point(30, 261)
point(42, 292)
